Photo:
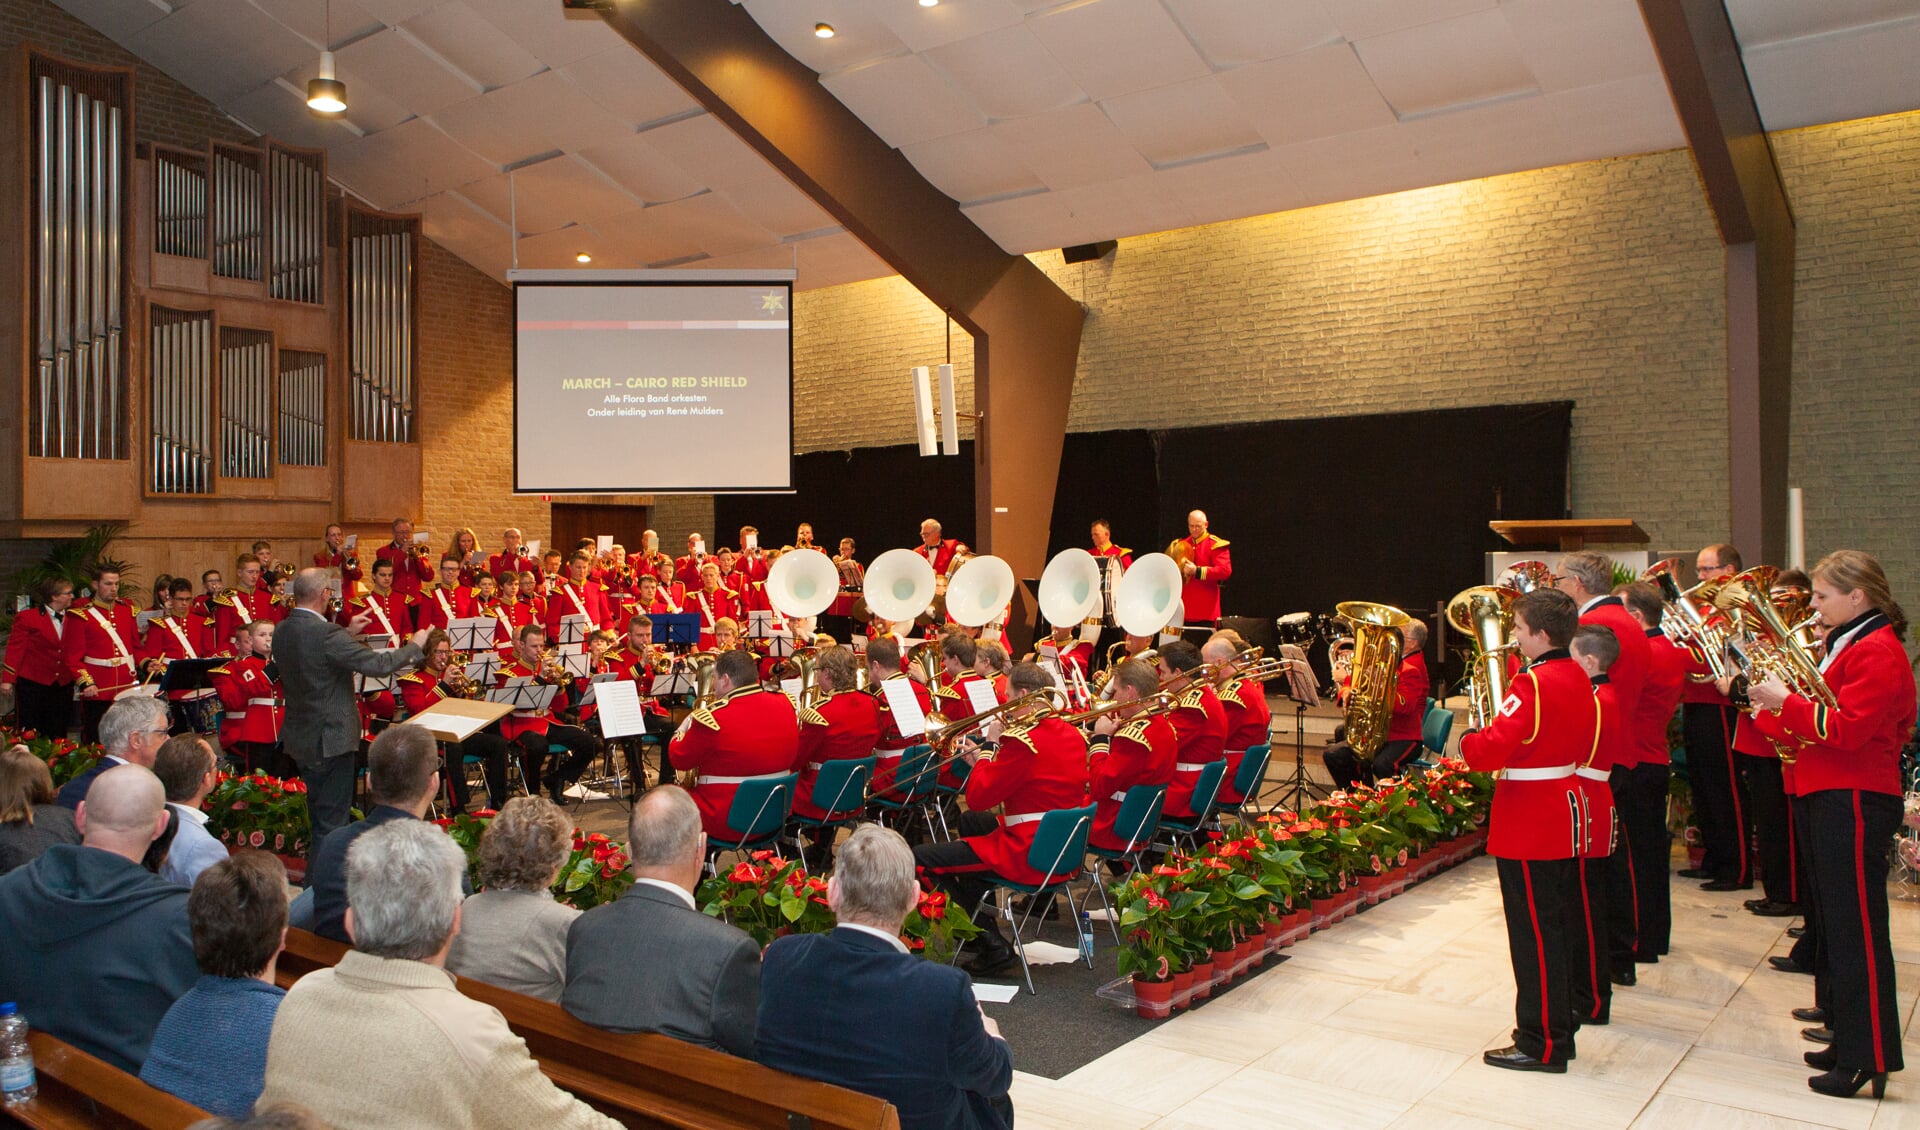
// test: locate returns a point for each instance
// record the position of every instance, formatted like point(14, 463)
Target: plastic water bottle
point(17, 1081)
point(1086, 937)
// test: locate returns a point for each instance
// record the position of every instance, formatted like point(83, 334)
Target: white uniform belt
point(889, 754)
point(706, 780)
point(263, 702)
point(1592, 774)
point(1551, 773)
point(1118, 796)
point(1190, 766)
point(114, 661)
point(529, 714)
point(816, 766)
point(1022, 818)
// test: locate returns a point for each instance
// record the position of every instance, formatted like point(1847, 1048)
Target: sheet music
point(573, 629)
point(760, 623)
point(473, 633)
point(620, 713)
point(481, 670)
point(371, 684)
point(907, 715)
point(576, 663)
point(782, 647)
point(526, 695)
point(148, 617)
point(591, 695)
point(460, 726)
point(603, 544)
point(792, 688)
point(980, 695)
point(352, 542)
point(1048, 651)
point(859, 645)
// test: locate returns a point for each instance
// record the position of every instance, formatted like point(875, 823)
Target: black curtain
point(877, 496)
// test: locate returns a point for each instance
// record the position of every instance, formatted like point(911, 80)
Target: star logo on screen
point(773, 303)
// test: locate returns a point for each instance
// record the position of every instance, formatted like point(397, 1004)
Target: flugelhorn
point(1377, 643)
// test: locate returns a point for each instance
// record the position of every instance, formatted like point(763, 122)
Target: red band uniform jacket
point(93, 656)
point(1855, 745)
point(1547, 724)
point(1141, 752)
point(748, 734)
point(1200, 594)
point(844, 726)
point(1201, 726)
point(1598, 830)
point(892, 742)
point(253, 704)
point(1039, 767)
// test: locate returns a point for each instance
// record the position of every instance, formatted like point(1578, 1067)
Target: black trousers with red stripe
point(1806, 948)
point(1772, 826)
point(1643, 830)
point(1719, 800)
point(958, 869)
point(1589, 928)
point(1534, 894)
point(1851, 832)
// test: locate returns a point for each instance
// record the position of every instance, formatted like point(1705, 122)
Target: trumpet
point(550, 669)
point(455, 679)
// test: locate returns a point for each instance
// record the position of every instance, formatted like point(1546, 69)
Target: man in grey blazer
point(650, 961)
point(317, 660)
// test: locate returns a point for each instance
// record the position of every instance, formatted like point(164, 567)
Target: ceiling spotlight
point(929, 3)
point(823, 31)
point(327, 95)
point(583, 257)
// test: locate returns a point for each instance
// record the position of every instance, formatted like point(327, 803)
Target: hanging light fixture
point(823, 31)
point(327, 95)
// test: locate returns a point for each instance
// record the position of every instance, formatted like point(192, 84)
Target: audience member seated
point(384, 1039)
point(899, 1027)
point(94, 947)
point(403, 777)
point(211, 1048)
point(512, 933)
point(284, 1117)
point(30, 822)
point(131, 732)
point(187, 770)
point(650, 961)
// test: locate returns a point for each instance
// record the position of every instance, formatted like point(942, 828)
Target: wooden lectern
point(1569, 534)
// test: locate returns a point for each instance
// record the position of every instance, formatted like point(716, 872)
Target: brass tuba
point(1376, 665)
point(700, 666)
point(1773, 648)
point(1484, 613)
point(926, 656)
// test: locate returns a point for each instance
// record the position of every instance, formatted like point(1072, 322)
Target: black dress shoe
point(1625, 977)
point(1844, 1083)
point(1826, 1059)
point(1513, 1059)
point(1787, 964)
point(1725, 885)
point(993, 960)
point(1696, 873)
point(1796, 932)
point(1810, 1015)
point(1647, 958)
point(1817, 1035)
point(1767, 908)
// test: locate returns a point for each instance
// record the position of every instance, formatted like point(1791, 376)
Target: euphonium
point(1526, 576)
point(1376, 664)
point(806, 660)
point(1103, 690)
point(1773, 648)
point(700, 665)
point(926, 656)
point(1100, 677)
point(1485, 614)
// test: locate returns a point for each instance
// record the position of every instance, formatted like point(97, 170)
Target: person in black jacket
point(900, 1028)
point(94, 947)
point(403, 777)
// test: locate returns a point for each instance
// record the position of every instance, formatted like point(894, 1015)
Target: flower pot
point(1274, 928)
point(1696, 856)
point(1152, 1000)
point(1299, 925)
point(1226, 964)
point(1182, 989)
point(1202, 980)
point(1253, 951)
point(1371, 887)
point(1322, 913)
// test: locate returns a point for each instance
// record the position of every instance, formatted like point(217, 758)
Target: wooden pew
point(79, 1091)
point(645, 1079)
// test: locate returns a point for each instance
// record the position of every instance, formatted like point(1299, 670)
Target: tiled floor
point(1380, 1023)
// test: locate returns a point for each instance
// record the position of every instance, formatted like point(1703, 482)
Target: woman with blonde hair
point(30, 822)
point(1847, 771)
point(512, 931)
point(473, 561)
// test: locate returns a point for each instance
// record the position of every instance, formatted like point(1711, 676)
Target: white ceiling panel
point(705, 223)
point(1027, 223)
point(555, 250)
point(393, 63)
point(115, 19)
point(1487, 140)
point(371, 108)
point(1568, 44)
point(1230, 33)
point(1007, 73)
point(1133, 206)
point(859, 35)
point(922, 29)
point(396, 12)
point(474, 47)
point(448, 218)
point(1363, 19)
point(569, 186)
point(1629, 115)
point(219, 48)
point(1313, 94)
point(337, 21)
point(1182, 122)
point(622, 81)
point(1249, 184)
point(1853, 74)
point(411, 160)
point(500, 199)
point(973, 166)
point(1760, 22)
point(644, 236)
point(1438, 66)
point(824, 260)
point(1350, 165)
point(282, 114)
point(643, 170)
point(555, 42)
point(774, 204)
point(561, 112)
point(485, 125)
point(1114, 47)
point(703, 144)
point(904, 100)
point(1072, 147)
point(488, 256)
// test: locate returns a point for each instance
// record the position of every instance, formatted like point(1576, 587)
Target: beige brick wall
point(852, 348)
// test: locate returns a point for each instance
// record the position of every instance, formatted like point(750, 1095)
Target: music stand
point(188, 674)
point(1297, 787)
point(573, 630)
point(676, 628)
point(475, 633)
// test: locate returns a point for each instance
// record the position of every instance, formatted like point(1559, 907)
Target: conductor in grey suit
point(649, 961)
point(317, 660)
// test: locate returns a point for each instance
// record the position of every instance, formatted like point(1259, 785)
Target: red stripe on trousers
point(1739, 817)
point(1593, 948)
point(1633, 879)
point(1866, 931)
point(1540, 958)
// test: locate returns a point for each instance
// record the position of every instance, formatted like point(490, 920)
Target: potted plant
point(264, 813)
point(1149, 953)
point(768, 896)
point(933, 928)
point(65, 758)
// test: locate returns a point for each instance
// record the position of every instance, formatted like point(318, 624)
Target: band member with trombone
point(841, 724)
point(438, 679)
point(883, 663)
point(1197, 718)
point(958, 654)
point(1244, 702)
point(1546, 725)
point(745, 734)
point(1846, 747)
point(1404, 725)
point(1132, 745)
point(1040, 765)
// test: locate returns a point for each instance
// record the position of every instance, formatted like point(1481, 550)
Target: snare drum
point(1296, 628)
point(202, 715)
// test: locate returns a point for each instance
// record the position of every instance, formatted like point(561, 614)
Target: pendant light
point(327, 95)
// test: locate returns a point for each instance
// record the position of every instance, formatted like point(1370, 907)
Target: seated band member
point(1198, 720)
point(577, 596)
point(1206, 564)
point(992, 663)
point(883, 664)
point(437, 680)
point(249, 601)
point(1404, 726)
point(450, 598)
point(1544, 728)
point(1073, 654)
point(254, 706)
point(1103, 547)
point(902, 1029)
point(1040, 765)
point(746, 734)
point(951, 699)
point(844, 724)
point(638, 661)
point(1249, 717)
point(520, 605)
point(1599, 932)
point(534, 730)
point(1129, 748)
point(391, 612)
point(1847, 770)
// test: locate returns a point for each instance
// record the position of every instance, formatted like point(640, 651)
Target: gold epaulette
point(1135, 730)
point(1017, 731)
point(705, 717)
point(1194, 696)
point(223, 669)
point(1221, 542)
point(223, 597)
point(811, 717)
point(1232, 687)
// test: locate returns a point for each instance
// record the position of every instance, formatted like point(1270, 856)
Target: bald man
point(1205, 563)
point(93, 946)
